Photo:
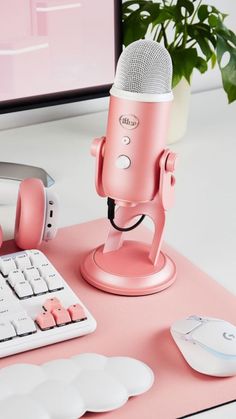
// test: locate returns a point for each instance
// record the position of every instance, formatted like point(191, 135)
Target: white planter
point(179, 112)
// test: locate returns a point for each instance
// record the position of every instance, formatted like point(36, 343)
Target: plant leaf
point(136, 22)
point(225, 33)
point(165, 14)
point(127, 6)
point(134, 27)
point(201, 65)
point(213, 21)
point(213, 60)
point(184, 61)
point(187, 5)
point(205, 11)
point(228, 72)
point(205, 47)
point(202, 34)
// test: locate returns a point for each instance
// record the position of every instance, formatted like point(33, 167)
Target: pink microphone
point(137, 123)
point(135, 172)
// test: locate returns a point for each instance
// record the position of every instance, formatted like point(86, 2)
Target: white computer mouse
point(207, 344)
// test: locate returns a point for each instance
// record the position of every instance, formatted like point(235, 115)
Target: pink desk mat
point(139, 327)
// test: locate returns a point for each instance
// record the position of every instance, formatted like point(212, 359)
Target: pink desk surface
point(139, 327)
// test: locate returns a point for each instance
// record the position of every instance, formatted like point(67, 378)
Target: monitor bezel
point(77, 95)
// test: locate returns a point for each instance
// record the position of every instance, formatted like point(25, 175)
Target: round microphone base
point(128, 270)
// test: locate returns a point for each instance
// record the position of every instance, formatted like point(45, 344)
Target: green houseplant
point(195, 35)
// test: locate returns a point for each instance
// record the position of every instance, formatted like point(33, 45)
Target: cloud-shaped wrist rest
point(67, 388)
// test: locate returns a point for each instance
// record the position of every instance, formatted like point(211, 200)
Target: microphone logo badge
point(129, 121)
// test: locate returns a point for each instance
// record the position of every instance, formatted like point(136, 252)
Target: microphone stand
point(132, 267)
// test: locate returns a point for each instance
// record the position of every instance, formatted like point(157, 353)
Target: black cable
point(111, 215)
point(127, 228)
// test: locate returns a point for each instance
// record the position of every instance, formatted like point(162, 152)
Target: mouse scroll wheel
point(185, 326)
point(194, 317)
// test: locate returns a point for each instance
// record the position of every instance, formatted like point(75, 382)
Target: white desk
point(202, 225)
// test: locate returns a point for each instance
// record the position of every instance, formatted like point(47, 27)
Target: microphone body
point(135, 140)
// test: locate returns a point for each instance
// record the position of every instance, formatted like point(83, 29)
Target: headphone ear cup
point(30, 214)
point(51, 214)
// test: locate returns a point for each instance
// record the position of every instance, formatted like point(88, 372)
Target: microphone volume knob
point(171, 162)
point(95, 146)
point(123, 162)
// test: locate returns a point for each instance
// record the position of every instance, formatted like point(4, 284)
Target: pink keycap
point(52, 304)
point(45, 320)
point(77, 313)
point(61, 316)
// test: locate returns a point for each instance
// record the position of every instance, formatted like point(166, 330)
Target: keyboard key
point(4, 288)
point(3, 298)
point(39, 286)
point(61, 316)
point(24, 325)
point(31, 273)
point(45, 320)
point(22, 261)
point(45, 269)
point(51, 304)
point(77, 313)
point(9, 305)
point(7, 265)
point(54, 282)
point(37, 258)
point(23, 289)
point(7, 331)
point(15, 276)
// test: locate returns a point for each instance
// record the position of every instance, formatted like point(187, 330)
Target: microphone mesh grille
point(144, 67)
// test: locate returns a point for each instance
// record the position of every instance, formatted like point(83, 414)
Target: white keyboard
point(37, 307)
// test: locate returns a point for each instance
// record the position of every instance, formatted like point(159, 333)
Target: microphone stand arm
point(155, 209)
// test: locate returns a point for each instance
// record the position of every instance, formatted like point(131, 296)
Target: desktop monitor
point(57, 51)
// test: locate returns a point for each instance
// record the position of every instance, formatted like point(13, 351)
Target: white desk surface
point(202, 225)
